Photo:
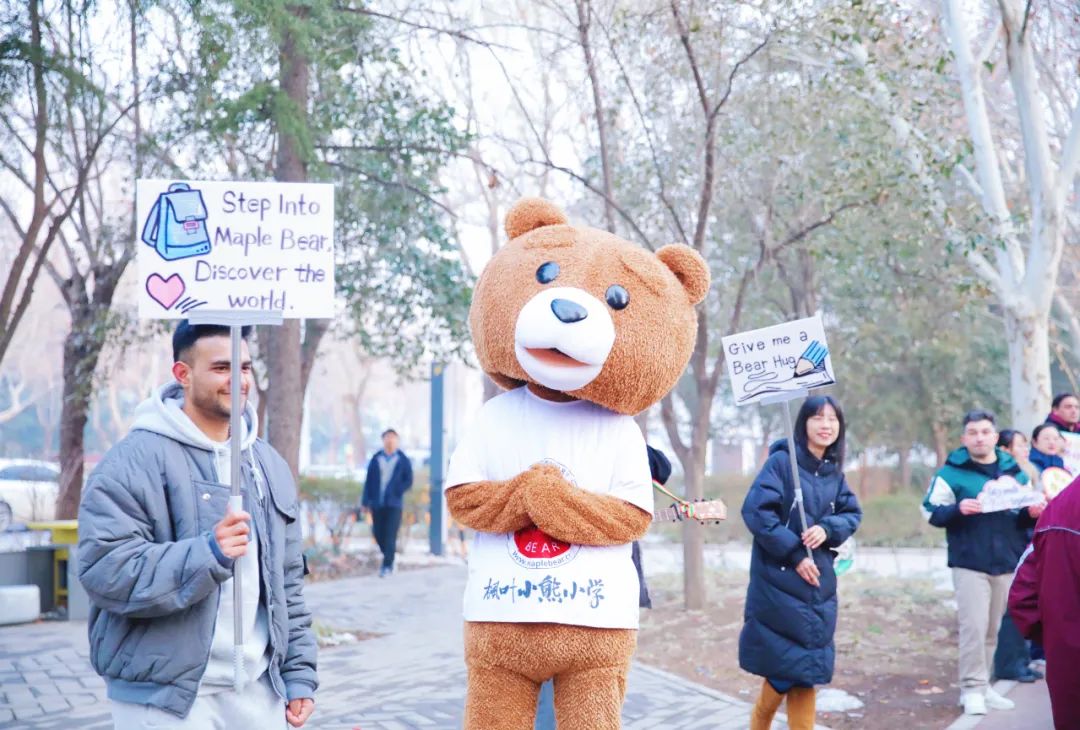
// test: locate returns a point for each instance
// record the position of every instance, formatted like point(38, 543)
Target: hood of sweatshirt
point(162, 413)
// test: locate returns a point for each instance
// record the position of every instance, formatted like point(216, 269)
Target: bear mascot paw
point(584, 330)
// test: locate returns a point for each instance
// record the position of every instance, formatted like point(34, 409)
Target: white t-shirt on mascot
point(528, 576)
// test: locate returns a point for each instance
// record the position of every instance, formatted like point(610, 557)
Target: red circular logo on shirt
point(531, 547)
point(534, 543)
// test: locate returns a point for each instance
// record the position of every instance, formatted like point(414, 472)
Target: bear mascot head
point(580, 311)
point(583, 330)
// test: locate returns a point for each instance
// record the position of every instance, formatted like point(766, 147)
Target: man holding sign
point(157, 549)
point(984, 547)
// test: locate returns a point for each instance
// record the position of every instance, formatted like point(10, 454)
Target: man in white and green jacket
point(983, 550)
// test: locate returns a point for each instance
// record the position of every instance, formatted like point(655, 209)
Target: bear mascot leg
point(508, 663)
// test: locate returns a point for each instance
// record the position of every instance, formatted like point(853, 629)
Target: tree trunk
point(285, 399)
point(694, 593)
point(78, 365)
point(864, 469)
point(941, 443)
point(1028, 337)
point(905, 469)
point(584, 12)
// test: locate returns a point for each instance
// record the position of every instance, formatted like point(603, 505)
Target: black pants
point(1011, 657)
point(385, 524)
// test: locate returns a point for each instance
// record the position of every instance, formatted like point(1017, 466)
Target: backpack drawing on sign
point(176, 226)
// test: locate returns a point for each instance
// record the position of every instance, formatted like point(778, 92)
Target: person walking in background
point(389, 476)
point(1012, 656)
point(1044, 601)
point(1065, 413)
point(791, 605)
point(982, 551)
point(1047, 444)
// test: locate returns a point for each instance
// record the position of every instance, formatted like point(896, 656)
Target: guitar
point(701, 510)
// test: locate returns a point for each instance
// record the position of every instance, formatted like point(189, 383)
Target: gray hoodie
point(162, 414)
point(156, 577)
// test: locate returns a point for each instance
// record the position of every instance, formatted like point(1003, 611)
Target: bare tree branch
point(451, 32)
point(593, 189)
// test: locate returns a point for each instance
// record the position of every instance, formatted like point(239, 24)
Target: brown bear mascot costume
point(584, 330)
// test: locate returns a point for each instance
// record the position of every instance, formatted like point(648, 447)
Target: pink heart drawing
point(165, 292)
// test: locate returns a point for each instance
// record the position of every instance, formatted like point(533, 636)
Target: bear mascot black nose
point(568, 311)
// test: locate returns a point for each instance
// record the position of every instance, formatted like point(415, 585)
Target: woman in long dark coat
point(790, 614)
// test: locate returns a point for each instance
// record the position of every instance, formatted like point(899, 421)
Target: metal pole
point(435, 532)
point(235, 320)
point(236, 499)
point(794, 459)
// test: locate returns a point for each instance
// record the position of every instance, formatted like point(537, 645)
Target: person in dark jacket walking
point(982, 551)
point(1045, 601)
point(791, 606)
point(389, 476)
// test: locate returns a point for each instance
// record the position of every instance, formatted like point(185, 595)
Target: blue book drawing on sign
point(176, 226)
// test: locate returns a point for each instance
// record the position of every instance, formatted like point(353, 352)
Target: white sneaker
point(996, 702)
point(974, 703)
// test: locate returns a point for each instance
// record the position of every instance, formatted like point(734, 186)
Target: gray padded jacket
point(149, 562)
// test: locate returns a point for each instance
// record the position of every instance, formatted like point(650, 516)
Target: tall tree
point(1016, 166)
point(317, 91)
point(80, 120)
point(53, 187)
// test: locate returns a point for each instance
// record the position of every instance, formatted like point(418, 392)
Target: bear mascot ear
point(689, 268)
point(531, 213)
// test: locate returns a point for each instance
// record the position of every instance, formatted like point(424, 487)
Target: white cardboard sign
point(243, 246)
point(1006, 493)
point(785, 357)
point(1071, 454)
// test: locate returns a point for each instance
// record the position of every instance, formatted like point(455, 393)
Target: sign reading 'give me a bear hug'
point(235, 246)
point(788, 357)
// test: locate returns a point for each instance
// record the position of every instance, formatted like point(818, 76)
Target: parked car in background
point(28, 491)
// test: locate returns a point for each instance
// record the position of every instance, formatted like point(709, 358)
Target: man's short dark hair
point(187, 334)
point(389, 431)
point(979, 415)
point(1060, 398)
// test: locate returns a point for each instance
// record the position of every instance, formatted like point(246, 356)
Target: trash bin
point(67, 591)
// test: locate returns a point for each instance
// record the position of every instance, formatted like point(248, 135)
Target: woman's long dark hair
point(813, 406)
point(1007, 436)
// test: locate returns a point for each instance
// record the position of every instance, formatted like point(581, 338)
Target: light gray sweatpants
point(258, 706)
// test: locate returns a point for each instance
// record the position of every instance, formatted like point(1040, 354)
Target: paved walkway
point(411, 676)
point(1032, 710)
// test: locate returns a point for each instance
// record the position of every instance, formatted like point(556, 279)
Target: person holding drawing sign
point(791, 605)
point(157, 549)
point(983, 548)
